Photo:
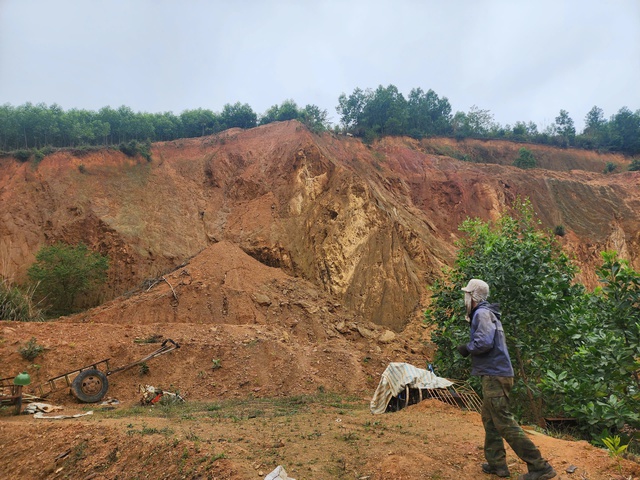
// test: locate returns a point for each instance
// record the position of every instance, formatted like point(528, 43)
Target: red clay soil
point(286, 381)
point(291, 269)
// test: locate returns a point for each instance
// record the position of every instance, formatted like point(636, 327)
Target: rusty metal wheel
point(90, 386)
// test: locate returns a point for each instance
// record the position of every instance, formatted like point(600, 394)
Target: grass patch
point(239, 410)
point(166, 431)
point(18, 305)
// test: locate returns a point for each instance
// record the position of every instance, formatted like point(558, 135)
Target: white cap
point(478, 289)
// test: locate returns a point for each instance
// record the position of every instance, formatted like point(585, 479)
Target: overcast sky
point(520, 59)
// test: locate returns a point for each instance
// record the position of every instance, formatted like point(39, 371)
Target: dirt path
point(320, 437)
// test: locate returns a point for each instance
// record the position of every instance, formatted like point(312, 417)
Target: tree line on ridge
point(368, 114)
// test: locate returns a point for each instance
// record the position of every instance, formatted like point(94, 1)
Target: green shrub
point(38, 156)
point(62, 272)
point(598, 384)
point(129, 149)
point(525, 159)
point(634, 166)
point(144, 369)
point(17, 305)
point(22, 155)
point(31, 350)
point(532, 280)
point(559, 231)
point(133, 148)
point(47, 150)
point(609, 167)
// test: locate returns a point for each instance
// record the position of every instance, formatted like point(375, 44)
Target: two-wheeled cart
point(89, 384)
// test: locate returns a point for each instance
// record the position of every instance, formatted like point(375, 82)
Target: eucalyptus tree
point(565, 128)
point(427, 114)
point(238, 115)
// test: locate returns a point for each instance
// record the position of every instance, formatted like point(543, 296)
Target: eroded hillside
point(371, 226)
point(285, 265)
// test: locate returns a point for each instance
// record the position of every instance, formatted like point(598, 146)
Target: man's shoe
point(499, 471)
point(545, 474)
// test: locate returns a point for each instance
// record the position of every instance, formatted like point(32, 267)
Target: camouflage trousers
point(499, 423)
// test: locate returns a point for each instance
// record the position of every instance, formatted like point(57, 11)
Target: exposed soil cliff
point(371, 226)
point(295, 263)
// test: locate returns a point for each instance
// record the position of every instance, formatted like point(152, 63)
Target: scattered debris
point(152, 395)
point(154, 338)
point(40, 407)
point(56, 417)
point(278, 474)
point(62, 455)
point(109, 404)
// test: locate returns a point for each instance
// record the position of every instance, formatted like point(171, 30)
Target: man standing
point(490, 360)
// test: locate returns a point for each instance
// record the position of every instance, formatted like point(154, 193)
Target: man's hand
point(464, 351)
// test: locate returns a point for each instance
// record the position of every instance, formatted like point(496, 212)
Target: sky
point(523, 60)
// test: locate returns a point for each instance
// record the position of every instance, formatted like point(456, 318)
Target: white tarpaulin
point(396, 377)
point(278, 474)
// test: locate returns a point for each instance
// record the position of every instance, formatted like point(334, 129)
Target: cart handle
point(164, 348)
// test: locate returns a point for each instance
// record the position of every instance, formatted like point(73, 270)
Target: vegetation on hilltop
point(28, 128)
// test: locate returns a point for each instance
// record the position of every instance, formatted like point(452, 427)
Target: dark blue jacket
point(488, 347)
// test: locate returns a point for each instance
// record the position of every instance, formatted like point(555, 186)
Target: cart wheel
point(90, 386)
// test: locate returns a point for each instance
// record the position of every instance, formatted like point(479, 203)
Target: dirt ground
point(242, 426)
point(303, 262)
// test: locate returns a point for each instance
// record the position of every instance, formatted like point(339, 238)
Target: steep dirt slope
point(250, 333)
point(297, 264)
point(371, 225)
point(273, 333)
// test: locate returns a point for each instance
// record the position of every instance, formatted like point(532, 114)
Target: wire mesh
point(460, 395)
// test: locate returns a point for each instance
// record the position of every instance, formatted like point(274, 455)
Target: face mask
point(468, 303)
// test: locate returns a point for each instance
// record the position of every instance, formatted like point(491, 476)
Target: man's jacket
point(488, 347)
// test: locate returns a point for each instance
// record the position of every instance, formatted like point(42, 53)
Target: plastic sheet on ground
point(396, 377)
point(57, 417)
point(278, 474)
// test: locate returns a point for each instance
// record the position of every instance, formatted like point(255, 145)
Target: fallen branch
point(174, 292)
point(153, 284)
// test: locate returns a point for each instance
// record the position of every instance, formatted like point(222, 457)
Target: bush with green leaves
point(634, 166)
point(525, 159)
point(31, 350)
point(133, 148)
point(18, 305)
point(560, 231)
point(574, 353)
point(22, 155)
point(62, 272)
point(532, 280)
point(599, 384)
